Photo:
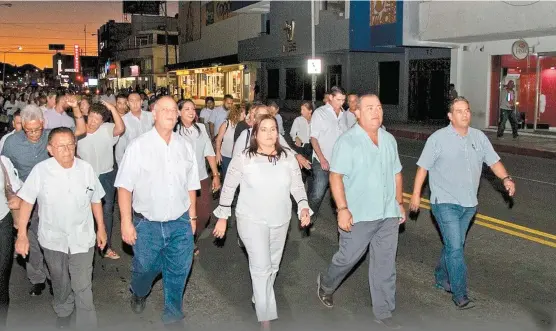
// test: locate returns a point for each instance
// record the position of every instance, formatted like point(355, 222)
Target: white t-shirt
point(10, 108)
point(96, 148)
point(64, 197)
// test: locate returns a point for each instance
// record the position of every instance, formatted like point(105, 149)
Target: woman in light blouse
point(225, 137)
point(267, 174)
point(199, 139)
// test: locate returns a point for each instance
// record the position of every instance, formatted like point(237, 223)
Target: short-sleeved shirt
point(134, 127)
point(201, 144)
point(455, 164)
point(64, 197)
point(369, 173)
point(159, 175)
point(53, 119)
point(25, 154)
point(97, 148)
point(218, 116)
point(327, 127)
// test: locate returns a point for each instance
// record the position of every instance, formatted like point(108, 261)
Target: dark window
point(161, 39)
point(389, 82)
point(273, 80)
point(320, 87)
point(294, 83)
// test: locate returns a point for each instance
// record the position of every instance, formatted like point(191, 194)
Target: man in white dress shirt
point(69, 193)
point(136, 123)
point(219, 115)
point(160, 169)
point(327, 125)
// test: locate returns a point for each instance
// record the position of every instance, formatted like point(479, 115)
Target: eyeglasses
point(34, 131)
point(63, 148)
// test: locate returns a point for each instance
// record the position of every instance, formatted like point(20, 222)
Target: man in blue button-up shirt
point(453, 157)
point(366, 183)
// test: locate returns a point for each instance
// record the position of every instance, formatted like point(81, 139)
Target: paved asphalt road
point(513, 279)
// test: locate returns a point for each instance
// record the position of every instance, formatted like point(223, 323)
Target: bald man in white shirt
point(159, 170)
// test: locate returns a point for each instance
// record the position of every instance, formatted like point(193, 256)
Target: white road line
point(522, 178)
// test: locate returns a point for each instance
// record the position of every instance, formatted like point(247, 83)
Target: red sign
point(76, 61)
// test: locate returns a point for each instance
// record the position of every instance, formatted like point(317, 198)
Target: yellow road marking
point(426, 205)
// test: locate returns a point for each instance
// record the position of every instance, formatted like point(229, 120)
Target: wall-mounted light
point(552, 68)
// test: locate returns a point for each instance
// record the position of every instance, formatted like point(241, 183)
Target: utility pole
point(313, 76)
point(85, 30)
point(166, 45)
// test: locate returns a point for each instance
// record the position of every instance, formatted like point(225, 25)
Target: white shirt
point(53, 119)
point(280, 124)
point(265, 188)
point(96, 148)
point(14, 181)
point(134, 127)
point(4, 138)
point(64, 197)
point(227, 147)
point(302, 129)
point(326, 127)
point(205, 114)
point(201, 145)
point(10, 108)
point(218, 116)
point(350, 119)
point(243, 140)
point(159, 175)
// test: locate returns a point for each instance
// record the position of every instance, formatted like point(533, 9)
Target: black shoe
point(63, 322)
point(389, 323)
point(326, 299)
point(138, 303)
point(37, 289)
point(464, 303)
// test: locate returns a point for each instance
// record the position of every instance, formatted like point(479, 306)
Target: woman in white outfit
point(267, 174)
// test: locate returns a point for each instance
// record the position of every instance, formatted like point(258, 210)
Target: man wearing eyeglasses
point(25, 149)
point(69, 193)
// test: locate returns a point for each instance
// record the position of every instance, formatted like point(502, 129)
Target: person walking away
point(267, 174)
point(453, 158)
point(69, 193)
point(159, 169)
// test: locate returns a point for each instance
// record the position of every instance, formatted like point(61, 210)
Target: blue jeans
point(225, 163)
point(316, 186)
point(107, 182)
point(451, 272)
point(165, 247)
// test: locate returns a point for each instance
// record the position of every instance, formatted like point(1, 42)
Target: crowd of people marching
point(163, 163)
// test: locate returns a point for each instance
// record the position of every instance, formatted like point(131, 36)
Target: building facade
point(492, 43)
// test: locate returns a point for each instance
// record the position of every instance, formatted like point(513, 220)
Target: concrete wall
point(471, 21)
point(218, 39)
point(470, 71)
point(331, 34)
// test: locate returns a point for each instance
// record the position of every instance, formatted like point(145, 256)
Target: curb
point(516, 150)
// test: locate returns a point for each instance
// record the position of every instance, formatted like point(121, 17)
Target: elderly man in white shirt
point(219, 115)
point(97, 149)
point(160, 170)
point(327, 125)
point(136, 123)
point(69, 193)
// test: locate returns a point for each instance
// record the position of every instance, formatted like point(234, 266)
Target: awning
point(217, 61)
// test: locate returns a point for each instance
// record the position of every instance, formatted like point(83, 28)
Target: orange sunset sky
point(35, 24)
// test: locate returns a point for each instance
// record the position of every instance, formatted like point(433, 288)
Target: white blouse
point(201, 145)
point(302, 129)
point(265, 189)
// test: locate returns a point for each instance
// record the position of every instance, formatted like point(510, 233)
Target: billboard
point(142, 7)
point(76, 60)
point(56, 47)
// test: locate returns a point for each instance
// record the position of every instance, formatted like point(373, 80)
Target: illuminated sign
point(76, 61)
point(314, 66)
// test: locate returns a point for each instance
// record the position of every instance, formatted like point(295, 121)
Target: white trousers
point(264, 246)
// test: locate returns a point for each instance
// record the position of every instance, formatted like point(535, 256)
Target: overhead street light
point(18, 48)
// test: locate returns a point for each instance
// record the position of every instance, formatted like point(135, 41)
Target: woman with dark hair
point(267, 173)
point(225, 137)
point(197, 135)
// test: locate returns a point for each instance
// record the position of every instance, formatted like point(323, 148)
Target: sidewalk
point(528, 144)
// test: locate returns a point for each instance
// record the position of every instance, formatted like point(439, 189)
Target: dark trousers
point(317, 185)
point(107, 182)
point(204, 206)
point(507, 114)
point(6, 262)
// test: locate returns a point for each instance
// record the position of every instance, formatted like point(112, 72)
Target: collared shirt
point(455, 164)
point(350, 119)
point(265, 188)
point(159, 175)
point(205, 114)
point(201, 145)
point(53, 119)
point(218, 116)
point(96, 148)
point(243, 140)
point(25, 154)
point(301, 129)
point(64, 197)
point(134, 127)
point(369, 173)
point(280, 122)
point(13, 180)
point(326, 127)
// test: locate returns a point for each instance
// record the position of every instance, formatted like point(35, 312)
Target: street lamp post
point(313, 76)
point(4, 63)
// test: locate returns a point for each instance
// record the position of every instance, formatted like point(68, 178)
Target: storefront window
point(215, 81)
